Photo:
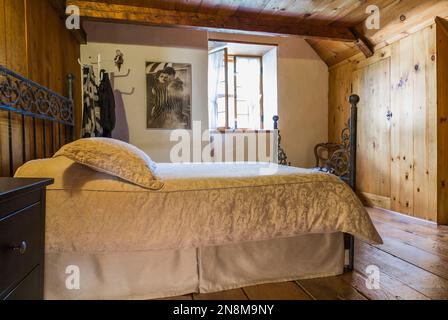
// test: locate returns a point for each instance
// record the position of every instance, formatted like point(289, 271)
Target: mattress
point(201, 205)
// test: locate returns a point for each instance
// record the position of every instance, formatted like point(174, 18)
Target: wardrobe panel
point(372, 85)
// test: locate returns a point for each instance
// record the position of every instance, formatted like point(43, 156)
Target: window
point(236, 90)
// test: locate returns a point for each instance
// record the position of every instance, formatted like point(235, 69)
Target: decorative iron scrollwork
point(341, 159)
point(339, 162)
point(324, 151)
point(281, 154)
point(345, 135)
point(26, 97)
point(282, 157)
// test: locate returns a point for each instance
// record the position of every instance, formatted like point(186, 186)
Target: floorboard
point(413, 265)
point(411, 225)
point(277, 291)
point(333, 288)
point(390, 288)
point(419, 279)
point(435, 264)
point(424, 243)
point(237, 294)
point(179, 298)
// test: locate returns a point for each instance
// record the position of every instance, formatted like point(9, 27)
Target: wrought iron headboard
point(343, 161)
point(29, 99)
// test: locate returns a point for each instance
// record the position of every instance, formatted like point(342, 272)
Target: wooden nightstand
point(22, 238)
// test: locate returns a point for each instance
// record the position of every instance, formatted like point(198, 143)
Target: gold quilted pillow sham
point(115, 158)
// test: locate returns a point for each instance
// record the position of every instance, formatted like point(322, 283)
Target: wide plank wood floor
point(413, 265)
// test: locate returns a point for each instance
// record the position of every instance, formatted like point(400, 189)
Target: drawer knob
point(21, 248)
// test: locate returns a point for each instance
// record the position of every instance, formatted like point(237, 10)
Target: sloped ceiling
point(331, 27)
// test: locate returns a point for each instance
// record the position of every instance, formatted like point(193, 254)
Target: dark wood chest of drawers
point(22, 238)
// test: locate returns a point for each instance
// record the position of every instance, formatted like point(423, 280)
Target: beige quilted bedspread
point(200, 205)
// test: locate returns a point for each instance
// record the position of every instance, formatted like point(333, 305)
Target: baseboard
point(375, 201)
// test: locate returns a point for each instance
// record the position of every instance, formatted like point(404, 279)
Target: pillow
point(115, 158)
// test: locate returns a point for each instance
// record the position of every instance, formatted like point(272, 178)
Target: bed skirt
point(160, 274)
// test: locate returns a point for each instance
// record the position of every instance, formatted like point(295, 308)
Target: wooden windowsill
point(236, 131)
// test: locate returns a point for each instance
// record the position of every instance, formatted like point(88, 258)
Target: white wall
point(302, 82)
point(132, 117)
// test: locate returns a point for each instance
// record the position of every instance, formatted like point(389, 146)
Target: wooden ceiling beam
point(363, 44)
point(160, 17)
point(60, 6)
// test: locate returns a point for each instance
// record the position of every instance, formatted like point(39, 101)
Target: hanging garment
point(91, 124)
point(107, 105)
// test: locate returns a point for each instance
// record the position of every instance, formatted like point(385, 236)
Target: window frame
point(233, 58)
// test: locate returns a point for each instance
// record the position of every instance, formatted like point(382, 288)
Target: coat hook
point(123, 75)
point(127, 93)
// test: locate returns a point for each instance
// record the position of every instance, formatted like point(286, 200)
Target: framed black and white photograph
point(169, 95)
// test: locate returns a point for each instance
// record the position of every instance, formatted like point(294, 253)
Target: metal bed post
point(353, 125)
point(282, 158)
point(275, 143)
point(71, 79)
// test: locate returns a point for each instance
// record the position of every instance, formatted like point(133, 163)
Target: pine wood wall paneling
point(43, 46)
point(4, 162)
point(442, 120)
point(4, 148)
point(431, 124)
point(381, 148)
point(371, 83)
point(37, 60)
point(56, 59)
point(35, 44)
point(424, 130)
point(52, 56)
point(402, 133)
point(15, 32)
point(340, 91)
point(421, 183)
point(2, 34)
point(72, 51)
point(395, 129)
point(413, 142)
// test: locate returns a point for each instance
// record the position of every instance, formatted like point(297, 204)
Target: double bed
point(211, 227)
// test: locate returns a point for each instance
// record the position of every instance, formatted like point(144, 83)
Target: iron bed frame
point(29, 99)
point(342, 163)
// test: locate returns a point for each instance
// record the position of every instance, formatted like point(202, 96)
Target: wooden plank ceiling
point(332, 27)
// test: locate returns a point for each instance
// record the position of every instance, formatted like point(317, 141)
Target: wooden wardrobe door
point(372, 83)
